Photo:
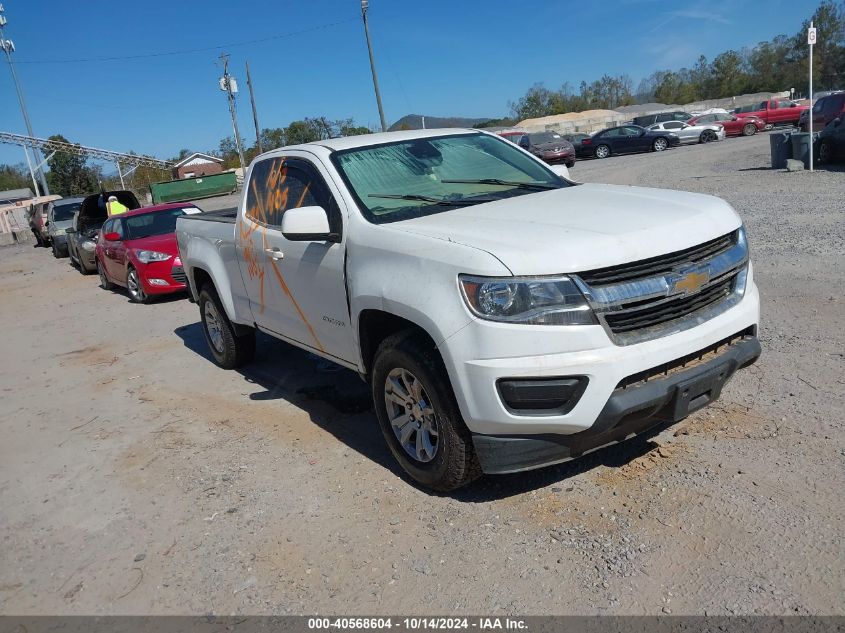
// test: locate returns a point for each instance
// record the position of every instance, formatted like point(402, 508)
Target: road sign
point(811, 36)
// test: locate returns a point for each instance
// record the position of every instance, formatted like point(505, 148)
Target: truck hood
point(581, 227)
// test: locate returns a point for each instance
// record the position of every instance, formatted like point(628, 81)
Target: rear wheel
point(228, 348)
point(418, 414)
point(134, 286)
point(749, 129)
point(602, 151)
point(105, 284)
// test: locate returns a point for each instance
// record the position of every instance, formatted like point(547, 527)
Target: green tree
point(70, 174)
point(14, 177)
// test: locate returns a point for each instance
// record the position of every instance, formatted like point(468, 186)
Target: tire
point(749, 129)
point(659, 144)
point(602, 151)
point(56, 252)
point(769, 126)
point(825, 152)
point(105, 284)
point(570, 164)
point(135, 287)
point(408, 372)
point(707, 136)
point(228, 349)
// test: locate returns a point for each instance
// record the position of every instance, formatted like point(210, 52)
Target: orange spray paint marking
point(287, 291)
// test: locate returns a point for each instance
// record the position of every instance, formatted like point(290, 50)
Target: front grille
point(656, 314)
point(178, 274)
point(660, 265)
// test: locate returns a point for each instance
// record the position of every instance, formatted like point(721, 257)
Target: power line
point(186, 51)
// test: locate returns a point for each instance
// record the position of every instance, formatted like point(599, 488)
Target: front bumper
point(513, 352)
point(158, 278)
point(630, 410)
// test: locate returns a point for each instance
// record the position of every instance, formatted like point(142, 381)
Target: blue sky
point(439, 57)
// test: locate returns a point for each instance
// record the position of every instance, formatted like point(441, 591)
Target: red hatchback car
point(138, 250)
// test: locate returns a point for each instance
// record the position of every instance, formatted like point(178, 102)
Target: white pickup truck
point(505, 316)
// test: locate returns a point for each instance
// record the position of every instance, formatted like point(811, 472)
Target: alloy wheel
point(213, 327)
point(824, 152)
point(602, 151)
point(133, 284)
point(104, 282)
point(659, 145)
point(411, 414)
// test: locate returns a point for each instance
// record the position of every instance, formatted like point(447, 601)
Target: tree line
point(773, 66)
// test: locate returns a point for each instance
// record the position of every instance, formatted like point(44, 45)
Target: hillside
point(414, 122)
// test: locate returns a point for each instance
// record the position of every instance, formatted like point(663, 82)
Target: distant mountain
point(414, 122)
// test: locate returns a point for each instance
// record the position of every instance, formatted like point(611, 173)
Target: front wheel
point(708, 136)
point(602, 151)
point(418, 414)
point(134, 286)
point(659, 144)
point(228, 348)
point(749, 129)
point(56, 252)
point(824, 152)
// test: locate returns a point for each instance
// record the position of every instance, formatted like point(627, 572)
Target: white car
point(505, 317)
point(701, 133)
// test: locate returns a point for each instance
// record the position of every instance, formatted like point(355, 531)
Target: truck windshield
point(156, 223)
point(420, 175)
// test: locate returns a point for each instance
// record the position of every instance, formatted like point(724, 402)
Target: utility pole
point(9, 47)
point(365, 4)
point(811, 39)
point(254, 111)
point(230, 86)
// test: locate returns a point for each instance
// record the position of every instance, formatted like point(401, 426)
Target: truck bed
point(227, 216)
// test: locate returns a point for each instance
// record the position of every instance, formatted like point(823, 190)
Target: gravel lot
point(136, 477)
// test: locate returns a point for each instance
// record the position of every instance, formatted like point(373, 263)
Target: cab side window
point(279, 184)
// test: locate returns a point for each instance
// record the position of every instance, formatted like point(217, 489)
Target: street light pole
point(226, 84)
point(365, 4)
point(9, 47)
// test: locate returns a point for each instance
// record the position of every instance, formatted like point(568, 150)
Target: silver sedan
point(702, 133)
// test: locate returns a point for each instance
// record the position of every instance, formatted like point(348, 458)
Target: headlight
point(89, 246)
point(539, 301)
point(151, 256)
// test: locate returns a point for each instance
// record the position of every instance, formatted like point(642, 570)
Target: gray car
point(699, 133)
point(59, 220)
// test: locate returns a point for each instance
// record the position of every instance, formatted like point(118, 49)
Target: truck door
point(296, 289)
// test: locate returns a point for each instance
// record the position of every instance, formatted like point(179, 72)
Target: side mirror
point(307, 224)
point(561, 170)
point(112, 237)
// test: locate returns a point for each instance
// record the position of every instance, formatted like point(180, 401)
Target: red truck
point(774, 112)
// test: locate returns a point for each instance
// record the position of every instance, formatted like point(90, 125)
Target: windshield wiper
point(504, 183)
point(445, 201)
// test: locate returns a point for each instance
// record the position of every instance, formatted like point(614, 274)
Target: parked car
point(699, 133)
point(774, 112)
point(824, 111)
point(650, 119)
point(830, 145)
point(625, 139)
point(59, 220)
point(505, 317)
point(38, 220)
point(551, 147)
point(513, 136)
point(734, 125)
point(575, 138)
point(137, 250)
point(86, 224)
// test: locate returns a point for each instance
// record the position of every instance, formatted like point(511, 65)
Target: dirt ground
point(138, 478)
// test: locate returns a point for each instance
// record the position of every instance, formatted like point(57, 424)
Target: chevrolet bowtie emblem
point(691, 281)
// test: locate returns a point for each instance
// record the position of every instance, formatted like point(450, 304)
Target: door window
point(108, 226)
point(631, 131)
point(278, 184)
point(673, 125)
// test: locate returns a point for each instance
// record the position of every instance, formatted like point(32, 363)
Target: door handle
point(274, 253)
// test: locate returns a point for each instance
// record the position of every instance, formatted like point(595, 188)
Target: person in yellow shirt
point(113, 207)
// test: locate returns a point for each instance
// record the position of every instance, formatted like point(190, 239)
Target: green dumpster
point(193, 188)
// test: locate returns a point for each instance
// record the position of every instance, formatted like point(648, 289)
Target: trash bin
point(802, 145)
point(781, 147)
